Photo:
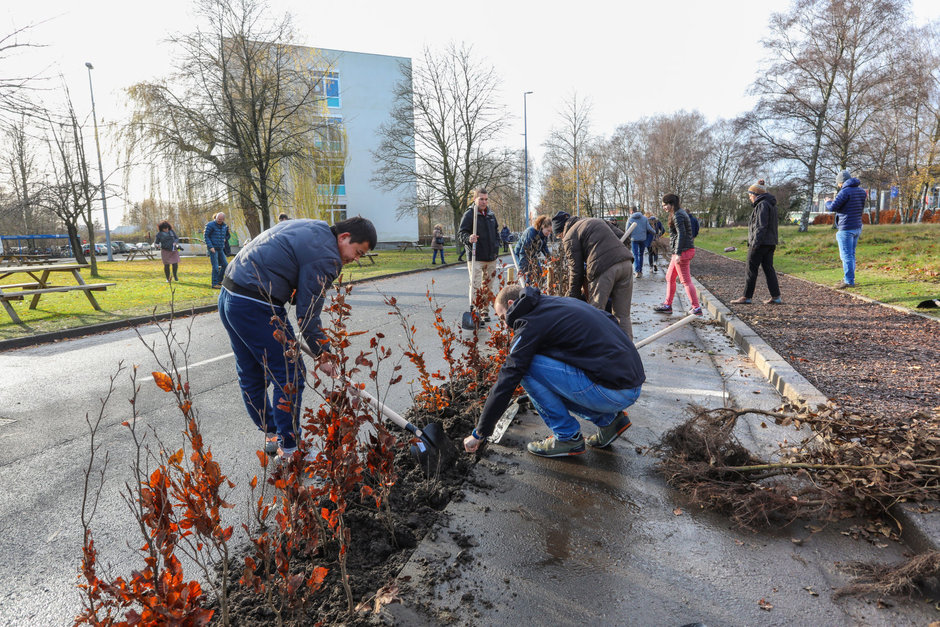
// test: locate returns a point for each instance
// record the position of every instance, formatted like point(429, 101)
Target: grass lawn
point(142, 290)
point(895, 264)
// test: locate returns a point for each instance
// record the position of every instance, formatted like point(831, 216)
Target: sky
point(627, 60)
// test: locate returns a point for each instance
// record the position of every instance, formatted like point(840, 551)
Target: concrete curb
point(784, 377)
point(127, 323)
point(920, 531)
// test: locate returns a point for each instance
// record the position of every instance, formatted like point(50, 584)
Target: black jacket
point(488, 231)
point(762, 230)
point(570, 331)
point(680, 232)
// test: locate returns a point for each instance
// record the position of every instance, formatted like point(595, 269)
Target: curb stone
point(920, 531)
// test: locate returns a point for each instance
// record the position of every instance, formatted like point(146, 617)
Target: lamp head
point(89, 65)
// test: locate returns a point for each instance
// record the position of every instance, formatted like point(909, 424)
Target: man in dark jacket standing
point(848, 207)
point(483, 272)
point(216, 236)
point(595, 255)
point(293, 261)
point(761, 243)
point(571, 358)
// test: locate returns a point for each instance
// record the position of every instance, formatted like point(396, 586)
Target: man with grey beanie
point(848, 207)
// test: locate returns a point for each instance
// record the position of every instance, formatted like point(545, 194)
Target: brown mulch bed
point(865, 356)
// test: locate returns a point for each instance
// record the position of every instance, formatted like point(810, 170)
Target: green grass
point(895, 264)
point(142, 290)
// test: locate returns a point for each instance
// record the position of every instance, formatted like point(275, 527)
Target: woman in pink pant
point(683, 249)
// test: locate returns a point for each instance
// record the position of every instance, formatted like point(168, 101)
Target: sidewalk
point(599, 537)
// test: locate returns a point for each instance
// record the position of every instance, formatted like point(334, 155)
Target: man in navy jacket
point(293, 261)
point(571, 358)
point(848, 207)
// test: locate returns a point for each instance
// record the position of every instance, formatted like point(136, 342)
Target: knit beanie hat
point(558, 222)
point(843, 177)
point(757, 188)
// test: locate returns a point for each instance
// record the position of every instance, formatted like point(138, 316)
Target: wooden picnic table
point(371, 256)
point(146, 252)
point(23, 258)
point(40, 284)
point(406, 245)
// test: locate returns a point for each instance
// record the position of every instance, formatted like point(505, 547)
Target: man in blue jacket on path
point(571, 358)
point(293, 261)
point(216, 236)
point(848, 207)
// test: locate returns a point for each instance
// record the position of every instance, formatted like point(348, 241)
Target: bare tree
point(14, 89)
point(243, 111)
point(21, 164)
point(805, 49)
point(443, 130)
point(566, 146)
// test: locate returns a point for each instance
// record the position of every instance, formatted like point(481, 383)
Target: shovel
point(433, 451)
point(468, 322)
point(515, 262)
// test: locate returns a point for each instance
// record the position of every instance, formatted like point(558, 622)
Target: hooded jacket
point(762, 229)
point(591, 247)
point(487, 230)
point(299, 255)
point(570, 331)
point(849, 205)
point(643, 228)
point(529, 247)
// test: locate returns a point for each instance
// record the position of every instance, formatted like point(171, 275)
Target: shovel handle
point(672, 327)
point(629, 230)
point(379, 406)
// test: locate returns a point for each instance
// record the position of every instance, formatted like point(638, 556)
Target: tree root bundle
point(890, 580)
point(852, 464)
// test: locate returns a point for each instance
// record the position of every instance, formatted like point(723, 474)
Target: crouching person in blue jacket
point(297, 261)
point(571, 358)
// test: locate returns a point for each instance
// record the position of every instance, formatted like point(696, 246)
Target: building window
point(339, 189)
point(327, 87)
point(337, 213)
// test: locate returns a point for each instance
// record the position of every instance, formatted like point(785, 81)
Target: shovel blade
point(468, 322)
point(434, 451)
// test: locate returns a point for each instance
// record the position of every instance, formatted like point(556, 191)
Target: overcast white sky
point(629, 59)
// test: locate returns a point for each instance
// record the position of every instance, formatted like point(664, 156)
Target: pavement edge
point(921, 531)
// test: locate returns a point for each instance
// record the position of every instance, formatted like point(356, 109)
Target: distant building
point(359, 90)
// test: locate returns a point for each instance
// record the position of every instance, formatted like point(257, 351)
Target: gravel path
point(866, 356)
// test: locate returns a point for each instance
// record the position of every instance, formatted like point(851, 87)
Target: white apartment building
point(360, 93)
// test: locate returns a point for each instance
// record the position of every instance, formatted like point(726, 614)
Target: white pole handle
point(669, 329)
point(629, 230)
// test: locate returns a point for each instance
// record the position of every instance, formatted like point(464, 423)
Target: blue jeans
point(557, 390)
point(847, 241)
point(219, 262)
point(638, 248)
point(434, 256)
point(260, 362)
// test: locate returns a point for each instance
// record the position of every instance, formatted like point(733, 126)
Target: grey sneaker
point(552, 447)
point(606, 435)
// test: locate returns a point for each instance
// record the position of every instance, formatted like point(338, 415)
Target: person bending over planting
point(571, 358)
point(296, 261)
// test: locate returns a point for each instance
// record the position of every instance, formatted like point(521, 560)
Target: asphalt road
point(598, 537)
point(47, 392)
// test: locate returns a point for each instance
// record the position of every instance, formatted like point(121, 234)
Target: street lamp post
point(104, 202)
point(525, 153)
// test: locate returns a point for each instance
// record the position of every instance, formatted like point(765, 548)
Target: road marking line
point(675, 390)
point(198, 363)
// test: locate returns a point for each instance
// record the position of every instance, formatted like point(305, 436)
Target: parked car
point(100, 249)
point(192, 246)
point(117, 246)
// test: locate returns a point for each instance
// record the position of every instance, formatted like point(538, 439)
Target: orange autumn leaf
point(163, 381)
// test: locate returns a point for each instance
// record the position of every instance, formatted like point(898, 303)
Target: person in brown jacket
point(600, 266)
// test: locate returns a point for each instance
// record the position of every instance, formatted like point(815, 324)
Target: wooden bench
point(371, 257)
point(96, 287)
